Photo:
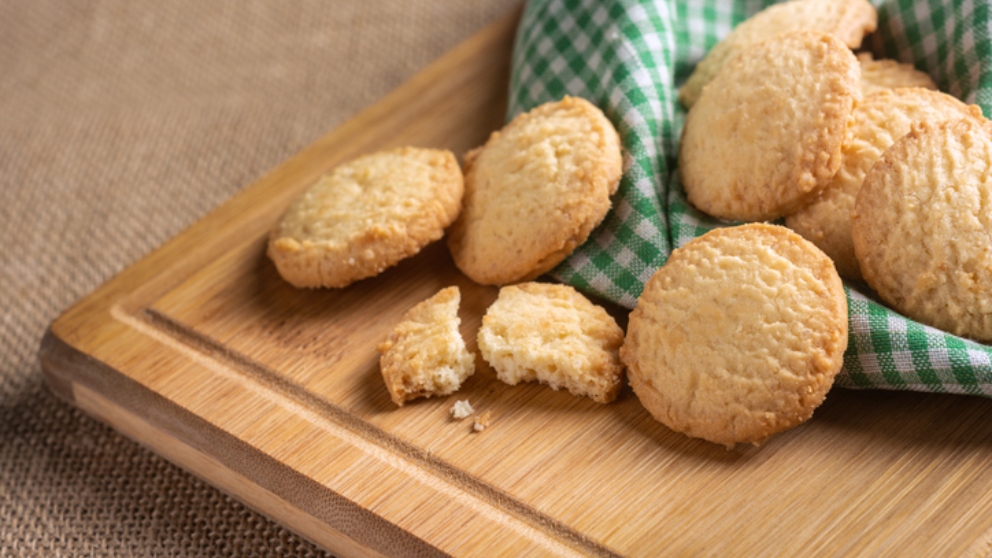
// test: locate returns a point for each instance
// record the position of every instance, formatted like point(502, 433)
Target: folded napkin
point(630, 57)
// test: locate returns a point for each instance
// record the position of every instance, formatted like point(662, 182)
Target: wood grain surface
point(202, 353)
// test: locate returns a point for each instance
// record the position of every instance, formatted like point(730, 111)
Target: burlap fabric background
point(122, 122)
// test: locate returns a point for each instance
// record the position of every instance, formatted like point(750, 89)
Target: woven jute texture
point(121, 123)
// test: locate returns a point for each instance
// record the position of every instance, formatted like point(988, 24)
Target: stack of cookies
point(791, 124)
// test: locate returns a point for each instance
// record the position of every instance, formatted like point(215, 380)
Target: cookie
point(766, 134)
point(884, 116)
point(535, 191)
point(549, 333)
point(425, 354)
point(848, 20)
point(738, 336)
point(921, 226)
point(367, 215)
point(890, 74)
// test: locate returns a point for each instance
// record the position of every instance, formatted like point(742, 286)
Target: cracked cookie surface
point(550, 333)
point(425, 354)
point(535, 191)
point(883, 73)
point(766, 134)
point(921, 226)
point(883, 117)
point(739, 335)
point(366, 215)
point(848, 20)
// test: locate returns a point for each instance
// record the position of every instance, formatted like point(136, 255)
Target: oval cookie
point(767, 133)
point(848, 20)
point(367, 215)
point(922, 222)
point(738, 336)
point(883, 117)
point(535, 191)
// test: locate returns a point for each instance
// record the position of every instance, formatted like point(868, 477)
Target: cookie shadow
point(906, 420)
point(628, 411)
point(849, 421)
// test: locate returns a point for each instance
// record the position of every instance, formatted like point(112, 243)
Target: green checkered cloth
point(630, 57)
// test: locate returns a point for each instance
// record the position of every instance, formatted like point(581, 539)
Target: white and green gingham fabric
point(630, 56)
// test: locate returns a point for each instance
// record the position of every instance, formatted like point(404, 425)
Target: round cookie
point(921, 226)
point(738, 336)
point(767, 133)
point(367, 215)
point(535, 191)
point(890, 74)
point(883, 117)
point(549, 333)
point(848, 20)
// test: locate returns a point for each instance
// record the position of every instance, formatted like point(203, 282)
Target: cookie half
point(535, 191)
point(549, 333)
point(848, 20)
point(425, 354)
point(883, 117)
point(890, 74)
point(367, 215)
point(767, 133)
point(739, 335)
point(922, 222)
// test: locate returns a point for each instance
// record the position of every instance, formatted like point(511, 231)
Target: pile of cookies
point(532, 194)
point(890, 179)
point(785, 121)
point(877, 175)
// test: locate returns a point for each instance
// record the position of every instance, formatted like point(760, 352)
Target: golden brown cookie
point(884, 116)
point(367, 215)
point(425, 354)
point(549, 333)
point(922, 226)
point(767, 133)
point(890, 74)
point(535, 191)
point(848, 20)
point(739, 335)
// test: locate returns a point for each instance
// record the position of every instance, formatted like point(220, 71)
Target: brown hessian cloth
point(121, 123)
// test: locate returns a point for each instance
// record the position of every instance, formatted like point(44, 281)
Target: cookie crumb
point(481, 421)
point(461, 409)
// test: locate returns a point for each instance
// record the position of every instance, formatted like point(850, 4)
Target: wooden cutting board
point(201, 353)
